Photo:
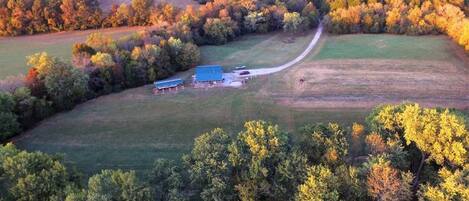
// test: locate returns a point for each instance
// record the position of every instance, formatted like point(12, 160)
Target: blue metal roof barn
point(168, 83)
point(208, 73)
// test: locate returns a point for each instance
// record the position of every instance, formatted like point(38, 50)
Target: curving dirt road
point(270, 70)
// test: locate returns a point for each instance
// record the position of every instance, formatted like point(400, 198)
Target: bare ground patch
point(364, 83)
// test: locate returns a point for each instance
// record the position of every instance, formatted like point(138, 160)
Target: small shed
point(208, 73)
point(167, 84)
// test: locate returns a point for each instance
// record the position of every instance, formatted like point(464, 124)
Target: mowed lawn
point(258, 50)
point(131, 129)
point(385, 46)
point(14, 50)
point(363, 70)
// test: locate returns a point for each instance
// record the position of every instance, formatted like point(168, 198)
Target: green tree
point(326, 144)
point(167, 181)
point(32, 176)
point(321, 184)
point(218, 31)
point(292, 22)
point(9, 125)
point(116, 185)
point(256, 22)
point(255, 156)
point(311, 15)
point(65, 85)
point(188, 57)
point(209, 167)
point(350, 185)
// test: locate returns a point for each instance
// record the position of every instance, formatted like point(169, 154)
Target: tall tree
point(321, 184)
point(9, 125)
point(116, 185)
point(32, 176)
point(255, 156)
point(387, 183)
point(209, 167)
point(439, 135)
point(141, 11)
point(323, 143)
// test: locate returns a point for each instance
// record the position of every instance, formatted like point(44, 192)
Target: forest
point(403, 152)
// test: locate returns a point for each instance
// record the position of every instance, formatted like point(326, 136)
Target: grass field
point(131, 129)
point(386, 46)
point(257, 50)
point(14, 50)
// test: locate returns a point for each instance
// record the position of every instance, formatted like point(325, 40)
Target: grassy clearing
point(385, 46)
point(258, 50)
point(133, 128)
point(14, 50)
point(363, 70)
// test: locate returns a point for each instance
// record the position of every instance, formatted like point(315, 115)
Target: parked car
point(244, 72)
point(240, 67)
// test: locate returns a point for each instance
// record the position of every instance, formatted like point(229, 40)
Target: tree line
point(18, 17)
point(405, 152)
point(400, 17)
point(103, 65)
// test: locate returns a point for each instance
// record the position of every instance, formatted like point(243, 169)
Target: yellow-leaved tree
point(440, 135)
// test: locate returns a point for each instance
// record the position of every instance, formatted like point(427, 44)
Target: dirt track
point(271, 70)
point(366, 83)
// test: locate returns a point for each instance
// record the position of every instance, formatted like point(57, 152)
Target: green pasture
point(258, 50)
point(131, 129)
point(14, 50)
point(385, 46)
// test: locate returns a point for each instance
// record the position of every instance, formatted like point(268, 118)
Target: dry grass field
point(365, 83)
point(362, 71)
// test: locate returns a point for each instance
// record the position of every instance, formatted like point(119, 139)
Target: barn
point(167, 84)
point(208, 74)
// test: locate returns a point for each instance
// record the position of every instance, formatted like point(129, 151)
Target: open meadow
point(131, 129)
point(14, 50)
point(257, 50)
point(361, 71)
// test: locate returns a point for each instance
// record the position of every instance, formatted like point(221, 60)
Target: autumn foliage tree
point(387, 183)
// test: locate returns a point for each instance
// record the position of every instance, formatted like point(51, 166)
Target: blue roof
point(168, 83)
point(208, 73)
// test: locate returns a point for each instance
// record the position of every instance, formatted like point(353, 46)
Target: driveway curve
point(270, 70)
